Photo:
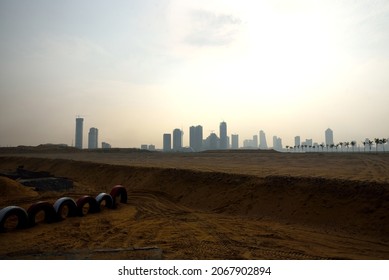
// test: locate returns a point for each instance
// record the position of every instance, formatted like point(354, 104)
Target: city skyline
point(288, 68)
point(196, 141)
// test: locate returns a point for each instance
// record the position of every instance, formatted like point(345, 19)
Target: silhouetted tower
point(167, 142)
point(79, 131)
point(297, 141)
point(177, 139)
point(329, 137)
point(196, 138)
point(223, 136)
point(262, 140)
point(93, 138)
point(212, 142)
point(277, 143)
point(234, 141)
point(255, 141)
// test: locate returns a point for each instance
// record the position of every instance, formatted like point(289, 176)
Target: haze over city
point(139, 69)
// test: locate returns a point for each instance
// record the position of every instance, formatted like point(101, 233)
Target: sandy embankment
point(198, 214)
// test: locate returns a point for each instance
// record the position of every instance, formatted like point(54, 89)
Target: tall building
point(196, 138)
point(248, 144)
point(262, 140)
point(297, 141)
point(212, 142)
point(308, 142)
point(167, 142)
point(93, 138)
point(177, 139)
point(277, 143)
point(329, 137)
point(234, 141)
point(255, 141)
point(223, 136)
point(79, 131)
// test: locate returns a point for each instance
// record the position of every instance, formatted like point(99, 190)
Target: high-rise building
point(308, 143)
point(329, 137)
point(277, 143)
point(196, 138)
point(167, 142)
point(255, 141)
point(212, 142)
point(177, 139)
point(262, 140)
point(234, 141)
point(248, 144)
point(223, 136)
point(297, 141)
point(79, 131)
point(93, 138)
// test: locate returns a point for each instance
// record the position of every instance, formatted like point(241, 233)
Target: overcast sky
point(137, 69)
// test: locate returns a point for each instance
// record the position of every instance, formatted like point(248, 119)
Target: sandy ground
point(215, 205)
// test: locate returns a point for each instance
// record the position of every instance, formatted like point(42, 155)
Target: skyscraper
point(177, 139)
point(277, 143)
point(234, 141)
point(255, 141)
point(79, 131)
point(93, 138)
point(196, 138)
point(297, 141)
point(262, 140)
point(167, 142)
point(212, 142)
point(223, 136)
point(329, 137)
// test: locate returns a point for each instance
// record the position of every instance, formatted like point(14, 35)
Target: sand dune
point(212, 206)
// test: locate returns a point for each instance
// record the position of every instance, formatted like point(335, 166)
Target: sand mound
point(191, 214)
point(331, 204)
point(11, 189)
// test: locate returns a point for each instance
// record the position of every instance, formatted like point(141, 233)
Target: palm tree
point(332, 147)
point(353, 143)
point(347, 144)
point(370, 143)
point(322, 147)
point(377, 141)
point(364, 145)
point(341, 146)
point(384, 141)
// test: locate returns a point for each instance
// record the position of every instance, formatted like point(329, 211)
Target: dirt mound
point(11, 189)
point(191, 214)
point(331, 204)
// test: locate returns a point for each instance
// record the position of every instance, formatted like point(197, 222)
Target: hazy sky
point(138, 69)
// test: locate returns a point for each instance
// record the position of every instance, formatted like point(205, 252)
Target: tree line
point(377, 142)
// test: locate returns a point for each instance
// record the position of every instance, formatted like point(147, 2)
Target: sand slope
point(196, 214)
